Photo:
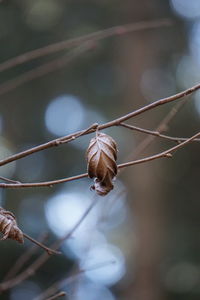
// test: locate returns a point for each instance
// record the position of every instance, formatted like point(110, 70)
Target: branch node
point(164, 128)
point(57, 143)
point(169, 155)
point(94, 126)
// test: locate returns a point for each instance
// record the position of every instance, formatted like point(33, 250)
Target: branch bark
point(166, 153)
point(115, 122)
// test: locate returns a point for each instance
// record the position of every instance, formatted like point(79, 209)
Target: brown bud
point(101, 157)
point(8, 226)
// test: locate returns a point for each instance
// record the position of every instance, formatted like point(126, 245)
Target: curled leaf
point(8, 226)
point(101, 157)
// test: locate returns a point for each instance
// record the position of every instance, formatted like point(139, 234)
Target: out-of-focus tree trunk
point(138, 53)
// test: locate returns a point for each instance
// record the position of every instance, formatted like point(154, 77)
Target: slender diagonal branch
point(95, 36)
point(162, 127)
point(20, 262)
point(157, 133)
point(45, 68)
point(47, 249)
point(8, 180)
point(56, 296)
point(44, 257)
point(53, 143)
point(166, 153)
point(115, 122)
point(64, 282)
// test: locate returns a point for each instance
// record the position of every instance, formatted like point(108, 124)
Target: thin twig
point(53, 143)
point(8, 180)
point(45, 68)
point(20, 262)
point(60, 294)
point(63, 282)
point(166, 153)
point(115, 122)
point(44, 257)
point(95, 36)
point(157, 133)
point(163, 126)
point(47, 249)
point(43, 184)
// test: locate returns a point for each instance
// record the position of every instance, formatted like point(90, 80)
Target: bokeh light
point(109, 274)
point(194, 38)
point(119, 75)
point(87, 290)
point(187, 72)
point(189, 9)
point(68, 206)
point(64, 115)
point(77, 247)
point(41, 14)
point(182, 277)
point(27, 290)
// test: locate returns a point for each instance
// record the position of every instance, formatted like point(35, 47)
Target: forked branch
point(115, 122)
point(166, 153)
point(44, 257)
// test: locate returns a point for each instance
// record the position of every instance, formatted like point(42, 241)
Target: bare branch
point(20, 262)
point(10, 229)
point(60, 294)
point(162, 126)
point(157, 133)
point(44, 257)
point(166, 153)
point(45, 68)
point(95, 36)
point(63, 282)
point(112, 123)
point(43, 184)
point(8, 180)
point(48, 250)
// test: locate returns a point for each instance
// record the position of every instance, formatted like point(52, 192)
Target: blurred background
point(141, 241)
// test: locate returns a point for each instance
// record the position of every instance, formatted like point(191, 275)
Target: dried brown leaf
point(8, 226)
point(101, 157)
